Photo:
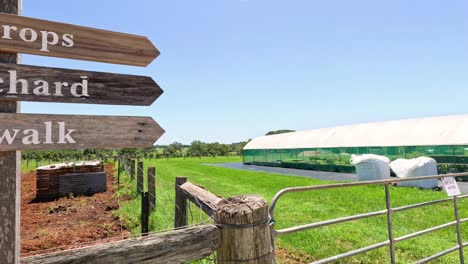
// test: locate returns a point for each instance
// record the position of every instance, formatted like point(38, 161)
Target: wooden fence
point(241, 233)
point(148, 197)
point(244, 222)
point(178, 246)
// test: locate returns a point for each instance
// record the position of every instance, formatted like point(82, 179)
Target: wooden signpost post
point(10, 162)
point(42, 84)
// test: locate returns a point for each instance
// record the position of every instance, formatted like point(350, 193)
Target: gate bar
point(425, 231)
point(390, 224)
point(459, 235)
point(440, 254)
point(328, 222)
point(352, 253)
point(360, 216)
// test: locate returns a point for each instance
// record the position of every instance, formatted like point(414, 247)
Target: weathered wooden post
point(10, 169)
point(245, 231)
point(144, 214)
point(118, 173)
point(140, 176)
point(152, 187)
point(180, 217)
point(132, 169)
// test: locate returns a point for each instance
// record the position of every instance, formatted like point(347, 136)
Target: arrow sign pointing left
point(41, 37)
point(43, 84)
point(37, 131)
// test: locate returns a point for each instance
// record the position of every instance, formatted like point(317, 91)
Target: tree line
point(202, 149)
point(174, 150)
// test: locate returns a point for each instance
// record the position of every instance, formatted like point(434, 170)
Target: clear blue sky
point(235, 69)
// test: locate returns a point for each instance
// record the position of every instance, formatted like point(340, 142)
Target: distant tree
point(103, 154)
point(217, 149)
point(197, 149)
point(129, 152)
point(237, 148)
point(281, 131)
point(158, 155)
point(173, 150)
point(201, 149)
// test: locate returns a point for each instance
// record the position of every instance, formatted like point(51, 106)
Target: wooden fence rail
point(243, 220)
point(204, 199)
point(178, 246)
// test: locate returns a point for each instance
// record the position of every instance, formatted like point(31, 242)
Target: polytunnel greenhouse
point(329, 149)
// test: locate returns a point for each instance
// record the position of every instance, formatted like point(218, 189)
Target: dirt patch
point(284, 256)
point(67, 222)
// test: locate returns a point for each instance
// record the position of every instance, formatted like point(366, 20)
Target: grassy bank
point(302, 208)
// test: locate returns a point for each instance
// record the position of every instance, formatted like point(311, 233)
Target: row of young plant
point(174, 150)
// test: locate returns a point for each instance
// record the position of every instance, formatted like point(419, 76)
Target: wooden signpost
point(47, 38)
point(42, 84)
point(37, 131)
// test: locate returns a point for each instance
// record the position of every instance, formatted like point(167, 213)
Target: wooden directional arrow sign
point(42, 84)
point(32, 131)
point(41, 37)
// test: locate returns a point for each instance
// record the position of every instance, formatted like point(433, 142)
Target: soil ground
point(283, 256)
point(68, 222)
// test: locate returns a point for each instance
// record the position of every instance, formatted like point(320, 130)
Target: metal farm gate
point(389, 211)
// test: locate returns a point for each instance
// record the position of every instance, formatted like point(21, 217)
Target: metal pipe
point(459, 235)
point(436, 256)
point(328, 222)
point(425, 231)
point(351, 253)
point(353, 184)
point(360, 216)
point(390, 224)
point(412, 206)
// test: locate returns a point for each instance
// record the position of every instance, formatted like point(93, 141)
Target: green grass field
point(302, 208)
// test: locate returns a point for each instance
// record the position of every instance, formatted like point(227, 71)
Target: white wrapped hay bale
point(371, 167)
point(422, 166)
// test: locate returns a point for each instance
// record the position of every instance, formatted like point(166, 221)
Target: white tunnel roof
point(433, 131)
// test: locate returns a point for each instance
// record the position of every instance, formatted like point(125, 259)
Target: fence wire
point(127, 186)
